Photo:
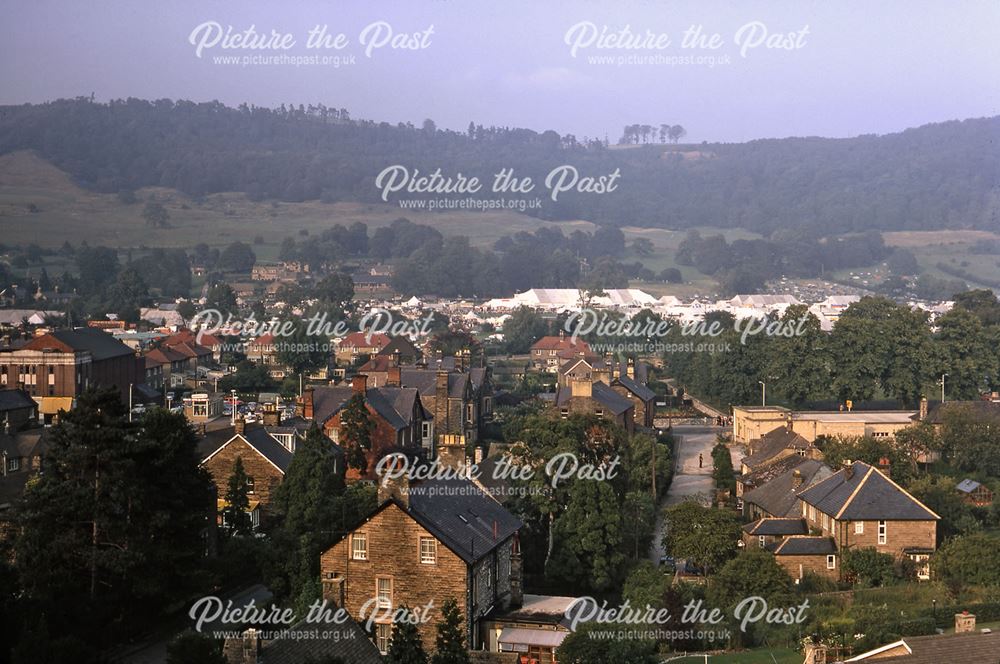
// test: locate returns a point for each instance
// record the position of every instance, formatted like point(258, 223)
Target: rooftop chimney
point(304, 405)
point(272, 416)
point(394, 376)
point(394, 488)
point(451, 451)
point(885, 466)
point(965, 622)
point(359, 384)
point(796, 479)
point(923, 408)
point(394, 358)
point(848, 469)
point(582, 388)
point(630, 367)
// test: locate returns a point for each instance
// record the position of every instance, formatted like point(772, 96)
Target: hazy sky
point(852, 67)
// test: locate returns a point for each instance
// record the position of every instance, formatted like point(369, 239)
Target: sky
point(748, 69)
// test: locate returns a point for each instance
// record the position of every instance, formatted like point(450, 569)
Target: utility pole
point(943, 376)
point(130, 402)
point(763, 394)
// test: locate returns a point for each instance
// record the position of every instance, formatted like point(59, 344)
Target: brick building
point(585, 398)
point(62, 364)
point(400, 420)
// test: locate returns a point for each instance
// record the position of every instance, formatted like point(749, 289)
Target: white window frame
point(859, 527)
point(883, 532)
point(383, 600)
point(428, 555)
point(359, 538)
point(251, 485)
point(831, 561)
point(762, 540)
point(13, 464)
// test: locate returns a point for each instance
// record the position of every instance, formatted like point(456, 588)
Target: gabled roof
point(425, 381)
point(776, 526)
point(865, 494)
point(600, 393)
point(100, 344)
point(254, 436)
point(636, 388)
point(773, 443)
point(319, 641)
point(393, 404)
point(189, 336)
point(805, 545)
point(764, 474)
point(164, 356)
point(462, 516)
point(965, 648)
point(15, 400)
point(777, 497)
point(979, 408)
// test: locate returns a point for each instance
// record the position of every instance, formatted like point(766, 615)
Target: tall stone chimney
point(394, 376)
point(397, 488)
point(272, 416)
point(516, 575)
point(923, 408)
point(796, 479)
point(451, 451)
point(848, 469)
point(359, 384)
point(441, 410)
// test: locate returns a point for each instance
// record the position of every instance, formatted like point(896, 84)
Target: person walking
point(701, 460)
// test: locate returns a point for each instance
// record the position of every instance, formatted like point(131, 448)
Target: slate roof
point(980, 408)
point(560, 343)
point(805, 545)
point(866, 495)
point(602, 394)
point(636, 388)
point(777, 498)
point(773, 443)
point(776, 526)
point(768, 472)
point(394, 404)
point(968, 648)
point(102, 346)
point(255, 436)
point(347, 642)
point(425, 381)
point(15, 400)
point(462, 516)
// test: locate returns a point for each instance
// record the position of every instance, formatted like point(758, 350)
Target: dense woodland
point(937, 176)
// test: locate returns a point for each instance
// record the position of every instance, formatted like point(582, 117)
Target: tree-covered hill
point(937, 176)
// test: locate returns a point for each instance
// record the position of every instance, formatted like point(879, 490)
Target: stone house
point(427, 543)
point(545, 353)
point(585, 398)
point(265, 462)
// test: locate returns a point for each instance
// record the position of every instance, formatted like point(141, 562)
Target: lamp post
point(233, 403)
point(763, 394)
point(934, 610)
point(943, 376)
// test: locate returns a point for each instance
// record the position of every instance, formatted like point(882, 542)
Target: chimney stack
point(394, 377)
point(359, 384)
point(304, 404)
point(848, 469)
point(630, 367)
point(923, 408)
point(885, 466)
point(516, 575)
point(965, 622)
point(796, 479)
point(272, 416)
point(451, 451)
point(394, 488)
point(394, 358)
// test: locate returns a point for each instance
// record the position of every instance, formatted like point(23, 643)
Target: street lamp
point(232, 402)
point(943, 376)
point(763, 394)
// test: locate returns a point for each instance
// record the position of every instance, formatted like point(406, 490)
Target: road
point(690, 481)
